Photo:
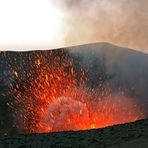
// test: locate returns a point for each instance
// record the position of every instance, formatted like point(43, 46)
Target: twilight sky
point(45, 24)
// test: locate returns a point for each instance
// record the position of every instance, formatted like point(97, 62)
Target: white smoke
point(121, 22)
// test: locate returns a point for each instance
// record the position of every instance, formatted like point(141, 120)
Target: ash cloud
point(121, 22)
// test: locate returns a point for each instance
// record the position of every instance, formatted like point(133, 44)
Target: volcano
point(76, 88)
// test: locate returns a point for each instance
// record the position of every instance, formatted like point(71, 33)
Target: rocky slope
point(131, 135)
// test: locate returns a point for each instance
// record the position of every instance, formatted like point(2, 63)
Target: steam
point(121, 22)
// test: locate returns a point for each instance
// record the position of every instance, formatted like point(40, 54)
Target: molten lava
point(53, 97)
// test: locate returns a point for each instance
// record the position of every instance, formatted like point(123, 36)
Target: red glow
point(52, 100)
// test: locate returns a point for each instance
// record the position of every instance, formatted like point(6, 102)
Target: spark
point(53, 97)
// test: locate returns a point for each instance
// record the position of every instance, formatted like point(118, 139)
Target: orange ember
point(54, 98)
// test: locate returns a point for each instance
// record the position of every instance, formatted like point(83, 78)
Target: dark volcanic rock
point(120, 136)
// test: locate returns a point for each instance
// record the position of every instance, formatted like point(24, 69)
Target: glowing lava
point(53, 97)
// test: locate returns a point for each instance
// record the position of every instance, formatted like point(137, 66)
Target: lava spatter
point(50, 95)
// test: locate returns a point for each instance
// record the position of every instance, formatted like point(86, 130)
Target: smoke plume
point(121, 22)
